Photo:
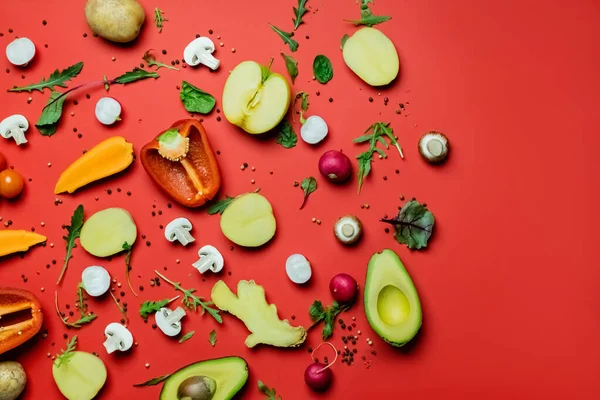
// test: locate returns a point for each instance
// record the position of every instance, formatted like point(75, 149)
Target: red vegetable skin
point(317, 376)
point(3, 163)
point(343, 288)
point(11, 184)
point(335, 166)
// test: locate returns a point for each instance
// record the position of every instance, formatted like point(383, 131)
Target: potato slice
point(372, 56)
point(249, 221)
point(81, 378)
point(105, 232)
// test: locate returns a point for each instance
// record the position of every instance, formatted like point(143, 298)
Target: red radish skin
point(343, 288)
point(335, 166)
point(318, 377)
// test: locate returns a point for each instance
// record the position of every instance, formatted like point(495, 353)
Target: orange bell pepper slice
point(181, 161)
point(20, 317)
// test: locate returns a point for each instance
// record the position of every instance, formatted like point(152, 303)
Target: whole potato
point(12, 380)
point(116, 20)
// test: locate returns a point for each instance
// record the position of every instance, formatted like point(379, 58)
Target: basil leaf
point(287, 137)
point(196, 100)
point(413, 225)
point(309, 185)
point(291, 65)
point(322, 69)
point(48, 121)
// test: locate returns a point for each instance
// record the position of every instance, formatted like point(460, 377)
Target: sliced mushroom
point(20, 51)
point(117, 338)
point(210, 259)
point(433, 147)
point(169, 321)
point(179, 229)
point(348, 229)
point(199, 51)
point(14, 127)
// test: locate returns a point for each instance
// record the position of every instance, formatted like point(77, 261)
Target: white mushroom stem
point(205, 263)
point(174, 317)
point(210, 259)
point(17, 134)
point(183, 236)
point(14, 127)
point(207, 59)
point(112, 343)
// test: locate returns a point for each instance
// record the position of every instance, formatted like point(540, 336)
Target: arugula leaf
point(80, 298)
point(55, 79)
point(129, 250)
point(159, 18)
point(85, 319)
point(322, 69)
point(65, 356)
point(413, 225)
point(121, 309)
point(220, 206)
point(154, 381)
point(286, 37)
point(195, 100)
point(309, 185)
point(151, 61)
point(364, 167)
point(149, 307)
point(287, 137)
point(191, 301)
point(291, 65)
point(212, 339)
point(74, 230)
point(367, 17)
point(186, 337)
point(344, 40)
point(135, 75)
point(47, 124)
point(272, 393)
point(304, 103)
point(298, 13)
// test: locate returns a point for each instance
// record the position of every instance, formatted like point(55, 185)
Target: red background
point(509, 284)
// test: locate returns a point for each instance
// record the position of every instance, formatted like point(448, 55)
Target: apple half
point(254, 98)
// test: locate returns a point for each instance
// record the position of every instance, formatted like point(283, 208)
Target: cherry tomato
point(2, 162)
point(11, 183)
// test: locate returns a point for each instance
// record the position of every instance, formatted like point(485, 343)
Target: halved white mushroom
point(210, 259)
point(179, 229)
point(433, 147)
point(169, 321)
point(95, 280)
point(14, 127)
point(348, 229)
point(297, 268)
point(20, 51)
point(199, 51)
point(117, 338)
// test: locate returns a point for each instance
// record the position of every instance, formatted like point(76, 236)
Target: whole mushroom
point(348, 229)
point(117, 338)
point(199, 51)
point(14, 127)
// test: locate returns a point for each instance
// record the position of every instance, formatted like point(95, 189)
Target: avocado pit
point(197, 388)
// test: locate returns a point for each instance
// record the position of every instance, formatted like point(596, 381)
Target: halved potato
point(105, 232)
point(372, 56)
point(249, 221)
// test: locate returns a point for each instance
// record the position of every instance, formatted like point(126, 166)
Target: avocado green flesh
point(392, 303)
point(229, 373)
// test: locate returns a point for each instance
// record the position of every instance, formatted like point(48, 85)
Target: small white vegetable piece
point(96, 280)
point(20, 51)
point(108, 110)
point(298, 268)
point(210, 259)
point(314, 129)
point(434, 147)
point(348, 229)
point(14, 127)
point(117, 338)
point(179, 229)
point(199, 51)
point(169, 321)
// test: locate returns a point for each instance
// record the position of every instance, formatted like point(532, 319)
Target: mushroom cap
point(96, 280)
point(348, 229)
point(433, 147)
point(20, 51)
point(173, 225)
point(198, 45)
point(10, 122)
point(211, 251)
point(165, 327)
point(122, 333)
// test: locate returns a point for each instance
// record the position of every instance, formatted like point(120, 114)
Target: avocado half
point(229, 373)
point(392, 303)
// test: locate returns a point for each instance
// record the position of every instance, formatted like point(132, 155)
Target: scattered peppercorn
point(164, 51)
point(148, 243)
point(109, 191)
point(331, 99)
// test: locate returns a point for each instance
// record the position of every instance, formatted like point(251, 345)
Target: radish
point(318, 376)
point(108, 110)
point(343, 288)
point(20, 51)
point(335, 166)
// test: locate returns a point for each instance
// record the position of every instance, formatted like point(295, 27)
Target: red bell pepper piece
point(20, 317)
point(182, 163)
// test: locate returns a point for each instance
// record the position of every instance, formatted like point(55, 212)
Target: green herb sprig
point(308, 185)
point(84, 319)
point(286, 37)
point(186, 337)
point(57, 78)
point(287, 137)
point(298, 13)
point(73, 232)
point(319, 313)
point(191, 301)
point(154, 381)
point(271, 393)
point(195, 100)
point(159, 18)
point(151, 61)
point(122, 309)
point(128, 251)
point(212, 338)
point(366, 16)
point(291, 65)
point(220, 206)
point(150, 307)
point(65, 356)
